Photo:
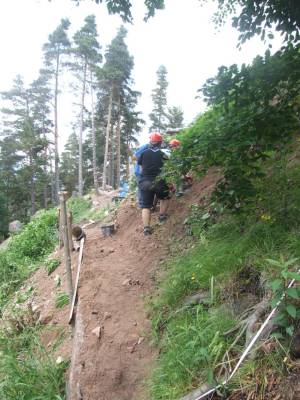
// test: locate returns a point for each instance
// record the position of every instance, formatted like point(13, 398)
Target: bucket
point(108, 230)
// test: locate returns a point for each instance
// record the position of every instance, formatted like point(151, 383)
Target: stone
point(97, 331)
point(106, 315)
point(59, 360)
point(141, 339)
point(15, 226)
point(45, 317)
point(126, 282)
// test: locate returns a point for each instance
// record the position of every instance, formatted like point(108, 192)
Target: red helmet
point(174, 143)
point(156, 137)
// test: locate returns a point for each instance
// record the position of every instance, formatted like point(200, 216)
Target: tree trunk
point(32, 186)
point(118, 144)
point(96, 186)
point(80, 180)
point(107, 140)
point(45, 191)
point(56, 157)
point(127, 160)
point(112, 158)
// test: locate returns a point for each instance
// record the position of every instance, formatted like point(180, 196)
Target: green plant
point(288, 295)
point(51, 265)
point(28, 370)
point(79, 206)
point(61, 300)
point(25, 251)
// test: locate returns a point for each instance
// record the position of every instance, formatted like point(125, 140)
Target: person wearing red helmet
point(174, 143)
point(151, 162)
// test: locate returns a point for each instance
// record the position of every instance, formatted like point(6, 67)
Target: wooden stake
point(69, 224)
point(63, 212)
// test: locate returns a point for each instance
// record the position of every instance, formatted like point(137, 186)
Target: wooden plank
point(77, 280)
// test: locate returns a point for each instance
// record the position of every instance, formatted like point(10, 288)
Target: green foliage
point(36, 239)
point(258, 17)
point(195, 345)
point(26, 250)
point(62, 299)
point(224, 247)
point(123, 8)
point(289, 296)
point(27, 370)
point(158, 116)
point(79, 206)
point(51, 265)
point(254, 111)
point(175, 117)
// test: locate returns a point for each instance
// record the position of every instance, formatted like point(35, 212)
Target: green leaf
point(293, 275)
point(276, 284)
point(274, 262)
point(291, 309)
point(293, 292)
point(290, 330)
point(291, 262)
point(277, 335)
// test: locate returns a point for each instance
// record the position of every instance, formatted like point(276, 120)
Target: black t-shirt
point(151, 161)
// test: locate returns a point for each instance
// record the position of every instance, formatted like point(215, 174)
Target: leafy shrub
point(36, 239)
point(26, 250)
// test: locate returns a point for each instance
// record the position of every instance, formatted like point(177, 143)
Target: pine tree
point(87, 57)
point(175, 117)
point(41, 97)
point(158, 116)
point(55, 49)
point(69, 163)
point(116, 76)
point(29, 144)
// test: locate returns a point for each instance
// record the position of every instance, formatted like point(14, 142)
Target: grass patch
point(62, 299)
point(51, 265)
point(27, 370)
point(26, 251)
point(81, 209)
point(190, 339)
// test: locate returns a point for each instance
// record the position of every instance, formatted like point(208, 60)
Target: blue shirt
point(137, 154)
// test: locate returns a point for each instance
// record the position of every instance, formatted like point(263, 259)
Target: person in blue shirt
point(137, 154)
point(138, 169)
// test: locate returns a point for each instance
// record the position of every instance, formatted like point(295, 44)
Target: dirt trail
point(117, 273)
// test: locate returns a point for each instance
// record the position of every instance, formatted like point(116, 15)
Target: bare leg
point(163, 208)
point(146, 216)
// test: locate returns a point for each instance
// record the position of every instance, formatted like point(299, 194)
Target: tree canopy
point(258, 17)
point(123, 7)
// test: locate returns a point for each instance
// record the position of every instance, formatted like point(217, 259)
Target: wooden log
point(77, 279)
point(63, 211)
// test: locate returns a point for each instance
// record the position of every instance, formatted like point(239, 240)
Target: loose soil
point(118, 274)
point(112, 353)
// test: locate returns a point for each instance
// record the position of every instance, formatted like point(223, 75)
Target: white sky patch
point(182, 37)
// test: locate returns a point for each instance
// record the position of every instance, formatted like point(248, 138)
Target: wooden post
point(63, 213)
point(69, 224)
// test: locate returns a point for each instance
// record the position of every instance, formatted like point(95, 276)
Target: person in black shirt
point(151, 162)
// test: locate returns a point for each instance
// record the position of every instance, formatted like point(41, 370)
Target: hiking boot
point(162, 217)
point(148, 231)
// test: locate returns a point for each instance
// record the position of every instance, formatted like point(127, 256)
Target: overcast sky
point(182, 37)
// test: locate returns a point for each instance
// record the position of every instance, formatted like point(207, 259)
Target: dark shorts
point(148, 188)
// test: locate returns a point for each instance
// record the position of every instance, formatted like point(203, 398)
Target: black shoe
point(162, 217)
point(148, 231)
